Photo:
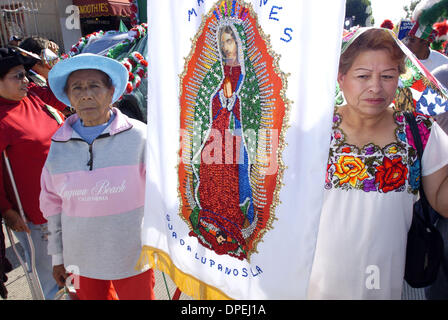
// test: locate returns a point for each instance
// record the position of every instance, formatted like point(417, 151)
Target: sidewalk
point(18, 288)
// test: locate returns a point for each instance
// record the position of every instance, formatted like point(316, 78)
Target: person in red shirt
point(26, 127)
point(38, 73)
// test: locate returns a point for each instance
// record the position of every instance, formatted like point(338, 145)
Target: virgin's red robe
point(219, 182)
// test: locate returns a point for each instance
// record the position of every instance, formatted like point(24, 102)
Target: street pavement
point(18, 288)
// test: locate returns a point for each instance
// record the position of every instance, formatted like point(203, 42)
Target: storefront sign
point(92, 8)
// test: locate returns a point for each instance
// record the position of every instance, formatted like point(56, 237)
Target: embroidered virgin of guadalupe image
point(233, 120)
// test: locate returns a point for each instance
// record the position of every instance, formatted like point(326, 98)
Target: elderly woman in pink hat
point(93, 184)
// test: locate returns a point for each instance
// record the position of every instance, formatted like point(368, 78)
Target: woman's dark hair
point(34, 44)
point(129, 106)
point(374, 39)
point(107, 80)
point(10, 58)
point(3, 73)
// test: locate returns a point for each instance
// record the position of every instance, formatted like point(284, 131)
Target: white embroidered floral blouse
point(367, 211)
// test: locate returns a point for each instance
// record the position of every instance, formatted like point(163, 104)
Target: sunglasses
point(19, 76)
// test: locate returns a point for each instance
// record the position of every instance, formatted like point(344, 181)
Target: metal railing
point(25, 18)
point(29, 270)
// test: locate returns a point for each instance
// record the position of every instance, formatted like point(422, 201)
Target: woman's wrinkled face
point(90, 96)
point(14, 86)
point(370, 84)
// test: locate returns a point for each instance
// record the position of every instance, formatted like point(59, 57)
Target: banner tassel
point(191, 286)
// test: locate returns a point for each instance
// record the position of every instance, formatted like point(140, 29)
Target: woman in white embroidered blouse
point(373, 177)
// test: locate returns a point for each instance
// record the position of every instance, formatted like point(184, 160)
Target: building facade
point(64, 21)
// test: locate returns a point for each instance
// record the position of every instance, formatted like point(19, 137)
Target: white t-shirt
point(435, 59)
point(367, 212)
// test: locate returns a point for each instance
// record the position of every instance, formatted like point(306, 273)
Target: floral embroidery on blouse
point(394, 168)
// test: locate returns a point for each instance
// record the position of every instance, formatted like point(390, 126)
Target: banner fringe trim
point(191, 286)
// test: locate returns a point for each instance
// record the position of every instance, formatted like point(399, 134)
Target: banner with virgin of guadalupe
point(241, 98)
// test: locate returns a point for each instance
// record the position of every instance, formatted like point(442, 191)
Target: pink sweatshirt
point(93, 198)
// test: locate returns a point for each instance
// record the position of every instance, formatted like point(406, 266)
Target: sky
point(388, 9)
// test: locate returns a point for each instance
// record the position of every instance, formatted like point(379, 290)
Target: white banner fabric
point(249, 234)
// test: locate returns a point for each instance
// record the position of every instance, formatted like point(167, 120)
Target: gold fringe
point(188, 284)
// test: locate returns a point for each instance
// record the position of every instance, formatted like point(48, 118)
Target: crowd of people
point(62, 131)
